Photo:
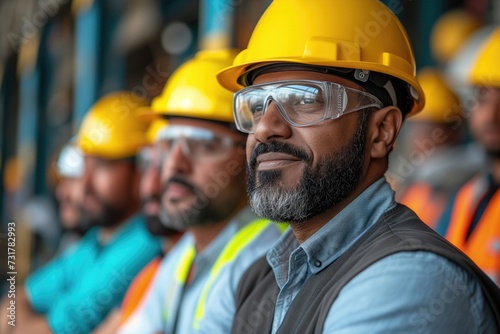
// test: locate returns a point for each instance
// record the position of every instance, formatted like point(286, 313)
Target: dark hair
point(405, 100)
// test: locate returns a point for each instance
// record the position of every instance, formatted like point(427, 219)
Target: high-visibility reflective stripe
point(246, 235)
point(185, 264)
point(138, 289)
point(483, 244)
point(181, 275)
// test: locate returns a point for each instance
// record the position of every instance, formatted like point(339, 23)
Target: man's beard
point(153, 222)
point(319, 189)
point(203, 211)
point(109, 216)
point(493, 153)
point(78, 227)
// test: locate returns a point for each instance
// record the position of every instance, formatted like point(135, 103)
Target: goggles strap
point(375, 83)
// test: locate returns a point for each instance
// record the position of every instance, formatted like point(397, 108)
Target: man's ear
point(384, 127)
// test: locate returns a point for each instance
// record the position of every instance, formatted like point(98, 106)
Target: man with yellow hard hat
point(322, 90)
point(203, 193)
point(74, 292)
point(471, 221)
point(148, 162)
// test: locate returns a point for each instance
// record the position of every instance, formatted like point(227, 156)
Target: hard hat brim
point(148, 114)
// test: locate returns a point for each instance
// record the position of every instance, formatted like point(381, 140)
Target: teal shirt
point(76, 291)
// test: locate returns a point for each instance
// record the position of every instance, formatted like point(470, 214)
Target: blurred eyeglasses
point(300, 102)
point(197, 144)
point(147, 157)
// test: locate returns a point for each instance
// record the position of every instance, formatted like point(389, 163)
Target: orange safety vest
point(425, 202)
point(138, 288)
point(483, 244)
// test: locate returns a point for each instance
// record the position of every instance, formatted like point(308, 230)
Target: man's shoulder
point(397, 289)
point(176, 254)
point(249, 243)
point(400, 230)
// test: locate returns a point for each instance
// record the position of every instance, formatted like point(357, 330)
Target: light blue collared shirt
point(170, 303)
point(408, 292)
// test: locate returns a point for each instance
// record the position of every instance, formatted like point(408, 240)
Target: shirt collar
point(336, 236)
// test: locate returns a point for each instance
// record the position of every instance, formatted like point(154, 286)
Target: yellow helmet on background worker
point(340, 35)
point(113, 128)
point(193, 90)
point(442, 105)
point(154, 129)
point(450, 33)
point(486, 71)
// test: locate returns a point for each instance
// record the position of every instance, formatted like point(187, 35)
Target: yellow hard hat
point(486, 71)
point(193, 90)
point(154, 128)
point(442, 104)
point(355, 34)
point(450, 33)
point(112, 128)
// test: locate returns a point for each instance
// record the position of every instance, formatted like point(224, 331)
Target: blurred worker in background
point(471, 221)
point(434, 138)
point(450, 33)
point(203, 193)
point(450, 38)
point(322, 90)
point(69, 194)
point(150, 190)
point(75, 292)
point(150, 187)
point(433, 158)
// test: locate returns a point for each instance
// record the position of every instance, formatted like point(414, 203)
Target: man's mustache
point(93, 195)
point(151, 199)
point(278, 147)
point(179, 180)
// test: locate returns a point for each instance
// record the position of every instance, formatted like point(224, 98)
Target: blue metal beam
point(87, 51)
point(217, 23)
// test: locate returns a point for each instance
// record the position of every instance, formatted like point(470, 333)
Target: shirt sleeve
point(49, 282)
point(101, 289)
point(411, 292)
point(77, 291)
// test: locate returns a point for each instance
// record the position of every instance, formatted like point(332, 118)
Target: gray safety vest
point(398, 230)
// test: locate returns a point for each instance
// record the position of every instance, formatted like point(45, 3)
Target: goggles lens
point(196, 143)
point(300, 103)
point(147, 158)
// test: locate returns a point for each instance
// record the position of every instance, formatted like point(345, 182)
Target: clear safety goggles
point(197, 144)
point(300, 102)
point(147, 157)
